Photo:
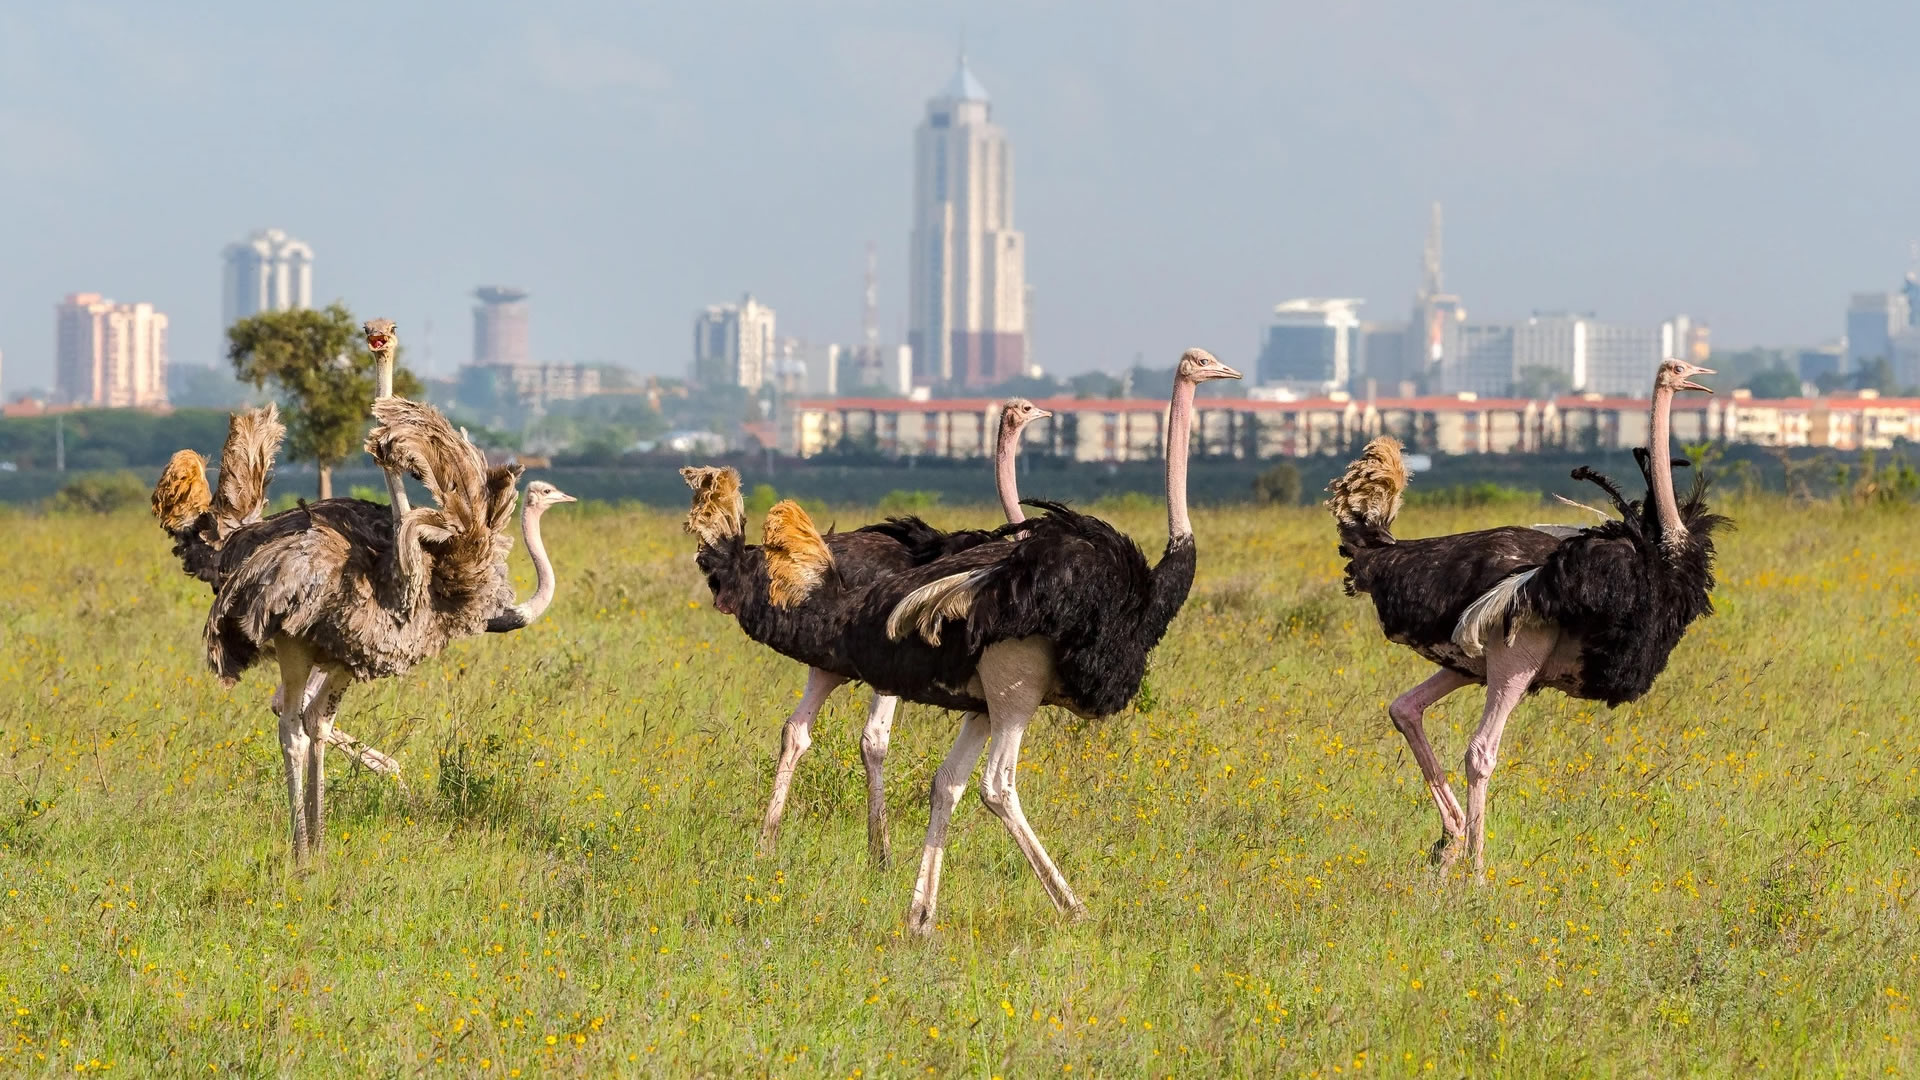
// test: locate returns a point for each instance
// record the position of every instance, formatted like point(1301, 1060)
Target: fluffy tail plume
point(719, 513)
point(797, 555)
point(246, 468)
point(182, 495)
point(414, 438)
point(925, 608)
point(1366, 498)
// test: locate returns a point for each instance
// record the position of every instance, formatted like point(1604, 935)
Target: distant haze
point(1179, 168)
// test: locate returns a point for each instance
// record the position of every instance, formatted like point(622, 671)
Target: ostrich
point(1591, 612)
point(736, 574)
point(1064, 611)
point(331, 586)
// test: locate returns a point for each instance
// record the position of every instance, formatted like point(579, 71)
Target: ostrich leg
point(340, 740)
point(317, 720)
point(1511, 668)
point(1408, 711)
point(949, 783)
point(1016, 675)
point(295, 663)
point(873, 753)
point(795, 736)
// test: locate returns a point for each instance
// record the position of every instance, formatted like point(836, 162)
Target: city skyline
point(1183, 172)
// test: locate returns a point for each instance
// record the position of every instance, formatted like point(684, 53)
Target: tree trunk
point(326, 482)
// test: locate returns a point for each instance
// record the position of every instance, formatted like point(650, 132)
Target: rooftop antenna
point(870, 323)
point(1431, 282)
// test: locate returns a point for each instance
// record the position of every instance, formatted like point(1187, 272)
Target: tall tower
point(500, 327)
point(967, 310)
point(870, 316)
point(1433, 330)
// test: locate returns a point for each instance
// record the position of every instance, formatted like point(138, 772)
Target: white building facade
point(268, 271)
point(1310, 346)
point(734, 344)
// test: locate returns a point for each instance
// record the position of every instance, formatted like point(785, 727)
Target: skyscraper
point(733, 344)
point(1433, 330)
point(108, 354)
point(1310, 345)
point(500, 327)
point(967, 312)
point(268, 271)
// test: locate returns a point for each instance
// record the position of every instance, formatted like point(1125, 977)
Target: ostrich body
point(1062, 610)
point(1593, 613)
point(331, 590)
point(737, 576)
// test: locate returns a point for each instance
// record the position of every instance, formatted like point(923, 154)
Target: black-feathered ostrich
point(1591, 612)
point(737, 576)
point(1064, 612)
point(332, 586)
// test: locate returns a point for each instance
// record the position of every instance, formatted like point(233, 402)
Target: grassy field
point(1717, 880)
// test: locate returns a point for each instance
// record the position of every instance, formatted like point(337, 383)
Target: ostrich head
point(1018, 413)
point(1198, 365)
point(541, 495)
point(1676, 375)
point(380, 335)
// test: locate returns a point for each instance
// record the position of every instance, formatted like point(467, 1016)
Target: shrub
point(101, 493)
point(1470, 496)
point(908, 502)
point(1278, 485)
point(762, 498)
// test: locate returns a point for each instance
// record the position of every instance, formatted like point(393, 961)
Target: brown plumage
point(797, 556)
point(1366, 497)
point(719, 513)
point(182, 493)
point(246, 467)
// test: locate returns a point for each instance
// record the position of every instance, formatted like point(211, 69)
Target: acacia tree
point(320, 368)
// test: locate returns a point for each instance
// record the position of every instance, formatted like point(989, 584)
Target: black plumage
point(1593, 612)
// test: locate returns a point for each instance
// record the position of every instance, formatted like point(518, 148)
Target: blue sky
point(1180, 168)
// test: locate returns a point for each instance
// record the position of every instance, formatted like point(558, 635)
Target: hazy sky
point(1179, 168)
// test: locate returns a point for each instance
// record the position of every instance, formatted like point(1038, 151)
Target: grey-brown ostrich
point(737, 576)
point(331, 586)
point(1593, 613)
point(1064, 612)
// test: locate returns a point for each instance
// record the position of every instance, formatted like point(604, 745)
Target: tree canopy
point(319, 366)
point(1774, 383)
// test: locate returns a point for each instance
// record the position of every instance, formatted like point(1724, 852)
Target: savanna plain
point(1716, 880)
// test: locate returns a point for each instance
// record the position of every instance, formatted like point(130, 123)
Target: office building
point(500, 327)
point(109, 355)
point(1872, 320)
point(1310, 345)
point(268, 271)
point(734, 344)
point(967, 312)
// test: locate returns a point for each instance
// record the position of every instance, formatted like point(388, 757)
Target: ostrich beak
point(1040, 413)
point(561, 496)
point(1226, 372)
point(1687, 383)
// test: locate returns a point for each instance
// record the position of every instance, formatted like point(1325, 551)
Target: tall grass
point(1716, 880)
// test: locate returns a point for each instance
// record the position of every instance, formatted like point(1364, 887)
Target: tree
point(1774, 383)
point(323, 373)
point(1278, 485)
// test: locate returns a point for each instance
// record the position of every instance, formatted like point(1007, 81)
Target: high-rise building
point(733, 344)
point(500, 327)
point(1872, 320)
point(1310, 346)
point(268, 271)
point(1432, 332)
point(108, 354)
point(1550, 351)
point(1382, 358)
point(1621, 360)
point(1479, 359)
point(967, 312)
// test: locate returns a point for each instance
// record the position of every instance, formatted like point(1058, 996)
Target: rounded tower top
point(963, 86)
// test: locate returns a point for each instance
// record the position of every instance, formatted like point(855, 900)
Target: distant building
point(500, 327)
point(734, 345)
point(967, 312)
point(1621, 359)
point(1906, 358)
point(1553, 342)
point(109, 355)
point(1814, 364)
point(1433, 328)
point(1310, 346)
point(1479, 360)
point(268, 271)
point(1872, 320)
point(1382, 356)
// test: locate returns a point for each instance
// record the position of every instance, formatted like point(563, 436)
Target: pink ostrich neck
point(1673, 530)
point(1179, 429)
point(542, 568)
point(1006, 454)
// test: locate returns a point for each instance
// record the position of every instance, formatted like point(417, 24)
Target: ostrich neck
point(1005, 456)
point(1672, 530)
point(543, 581)
point(1179, 428)
point(396, 483)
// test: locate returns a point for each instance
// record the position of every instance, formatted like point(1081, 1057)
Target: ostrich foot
point(880, 851)
point(1447, 850)
point(1076, 912)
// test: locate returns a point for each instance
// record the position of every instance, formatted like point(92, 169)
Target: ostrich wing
point(1420, 588)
